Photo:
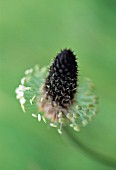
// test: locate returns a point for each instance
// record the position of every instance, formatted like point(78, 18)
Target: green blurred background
point(32, 32)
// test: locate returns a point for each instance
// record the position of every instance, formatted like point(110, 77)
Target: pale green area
point(32, 32)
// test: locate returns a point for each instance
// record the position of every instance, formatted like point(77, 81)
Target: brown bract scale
point(60, 85)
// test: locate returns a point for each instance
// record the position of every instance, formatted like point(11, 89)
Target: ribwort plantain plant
point(56, 95)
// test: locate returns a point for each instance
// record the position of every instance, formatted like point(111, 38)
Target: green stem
point(104, 159)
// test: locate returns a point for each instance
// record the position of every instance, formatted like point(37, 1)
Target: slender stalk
point(103, 159)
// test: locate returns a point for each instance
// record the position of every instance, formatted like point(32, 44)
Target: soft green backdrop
point(33, 31)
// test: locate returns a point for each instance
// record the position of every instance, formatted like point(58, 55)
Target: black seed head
point(61, 83)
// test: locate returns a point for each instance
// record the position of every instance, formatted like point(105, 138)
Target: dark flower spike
point(61, 83)
point(57, 98)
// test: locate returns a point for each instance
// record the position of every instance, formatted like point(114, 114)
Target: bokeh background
point(32, 32)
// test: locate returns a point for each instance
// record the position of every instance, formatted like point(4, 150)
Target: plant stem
point(104, 159)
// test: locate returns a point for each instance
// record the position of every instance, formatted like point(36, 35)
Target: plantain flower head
point(55, 95)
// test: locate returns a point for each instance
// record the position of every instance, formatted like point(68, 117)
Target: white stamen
point(28, 88)
point(23, 80)
point(44, 119)
point(22, 101)
point(31, 100)
point(23, 108)
point(17, 90)
point(29, 71)
point(21, 88)
point(60, 115)
point(34, 115)
point(41, 99)
point(20, 94)
point(77, 128)
point(71, 125)
point(53, 125)
point(59, 131)
point(39, 117)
